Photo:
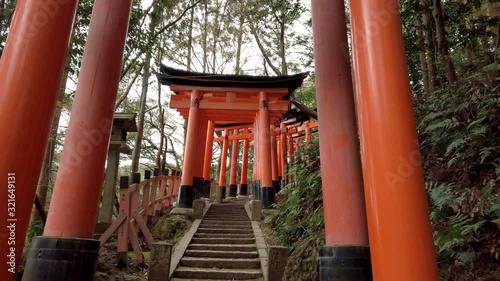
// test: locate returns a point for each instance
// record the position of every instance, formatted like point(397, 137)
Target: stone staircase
point(223, 248)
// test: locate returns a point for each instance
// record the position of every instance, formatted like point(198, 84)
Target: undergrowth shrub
point(298, 221)
point(300, 208)
point(459, 132)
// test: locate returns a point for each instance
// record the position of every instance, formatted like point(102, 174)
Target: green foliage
point(35, 229)
point(456, 233)
point(172, 227)
point(459, 131)
point(460, 122)
point(300, 210)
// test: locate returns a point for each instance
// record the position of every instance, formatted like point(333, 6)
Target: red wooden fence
point(138, 201)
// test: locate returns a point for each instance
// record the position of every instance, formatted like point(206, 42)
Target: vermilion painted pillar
point(278, 152)
point(186, 191)
point(75, 200)
point(267, 190)
point(308, 132)
point(343, 195)
point(199, 187)
point(207, 167)
point(36, 47)
point(256, 186)
point(234, 166)
point(223, 168)
point(274, 164)
point(401, 241)
point(209, 151)
point(290, 149)
point(282, 149)
point(243, 188)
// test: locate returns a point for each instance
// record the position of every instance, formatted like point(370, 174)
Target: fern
point(457, 143)
point(445, 124)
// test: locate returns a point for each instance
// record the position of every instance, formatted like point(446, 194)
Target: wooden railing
point(139, 201)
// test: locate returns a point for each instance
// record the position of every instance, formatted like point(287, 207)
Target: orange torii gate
point(228, 100)
point(375, 198)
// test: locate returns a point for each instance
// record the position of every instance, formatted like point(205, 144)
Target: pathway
point(223, 247)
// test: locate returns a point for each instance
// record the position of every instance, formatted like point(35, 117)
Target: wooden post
point(400, 232)
point(209, 150)
point(234, 166)
point(186, 191)
point(37, 47)
point(109, 193)
point(145, 195)
point(223, 168)
point(274, 164)
point(267, 190)
point(283, 153)
point(243, 188)
point(74, 205)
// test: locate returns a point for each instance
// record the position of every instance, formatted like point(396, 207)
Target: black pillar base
point(61, 259)
point(198, 187)
point(232, 190)
point(277, 186)
point(223, 188)
point(345, 263)
point(206, 189)
point(256, 190)
point(243, 189)
point(186, 197)
point(267, 197)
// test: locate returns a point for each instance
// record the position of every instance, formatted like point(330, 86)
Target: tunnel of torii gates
point(251, 108)
point(376, 213)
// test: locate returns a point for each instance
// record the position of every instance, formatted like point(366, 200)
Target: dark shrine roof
point(171, 76)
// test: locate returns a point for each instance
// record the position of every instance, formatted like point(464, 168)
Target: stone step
point(226, 211)
point(226, 218)
point(223, 247)
point(220, 262)
point(221, 274)
point(225, 226)
point(222, 235)
point(223, 240)
point(183, 279)
point(221, 254)
point(228, 230)
point(219, 222)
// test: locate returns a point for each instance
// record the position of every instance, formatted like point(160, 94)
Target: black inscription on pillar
point(195, 103)
point(264, 104)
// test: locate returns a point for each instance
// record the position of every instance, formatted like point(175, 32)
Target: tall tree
point(442, 42)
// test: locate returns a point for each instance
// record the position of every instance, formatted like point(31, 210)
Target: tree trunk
point(422, 56)
point(261, 48)
point(429, 46)
point(136, 155)
point(442, 43)
point(215, 33)
point(46, 172)
point(204, 36)
point(305, 109)
point(469, 39)
point(494, 13)
point(2, 12)
point(190, 41)
point(284, 67)
point(160, 149)
point(238, 46)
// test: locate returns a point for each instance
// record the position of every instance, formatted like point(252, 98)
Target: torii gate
point(228, 99)
point(391, 209)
